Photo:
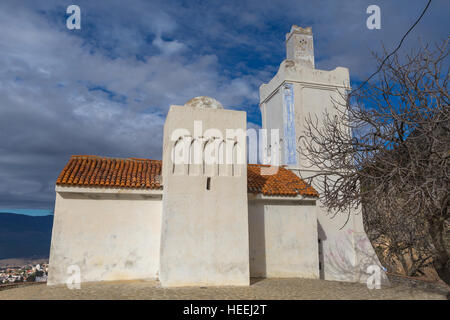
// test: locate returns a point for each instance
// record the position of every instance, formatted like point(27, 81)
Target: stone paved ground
point(260, 289)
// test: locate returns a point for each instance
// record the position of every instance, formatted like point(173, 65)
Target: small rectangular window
point(208, 183)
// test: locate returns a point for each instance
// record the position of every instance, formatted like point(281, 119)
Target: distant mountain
point(23, 236)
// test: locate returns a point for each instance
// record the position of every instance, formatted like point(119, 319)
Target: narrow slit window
point(208, 183)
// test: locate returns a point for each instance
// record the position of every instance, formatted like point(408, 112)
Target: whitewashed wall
point(283, 239)
point(273, 118)
point(109, 236)
point(204, 238)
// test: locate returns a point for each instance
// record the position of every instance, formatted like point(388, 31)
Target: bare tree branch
point(387, 149)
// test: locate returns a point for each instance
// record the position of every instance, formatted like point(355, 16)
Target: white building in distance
point(203, 222)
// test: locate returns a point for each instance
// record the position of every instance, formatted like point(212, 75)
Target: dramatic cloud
point(105, 89)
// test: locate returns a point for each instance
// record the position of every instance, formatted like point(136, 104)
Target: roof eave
point(260, 196)
point(108, 190)
point(159, 192)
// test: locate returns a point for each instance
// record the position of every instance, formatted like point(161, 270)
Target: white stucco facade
point(204, 237)
point(283, 238)
point(111, 235)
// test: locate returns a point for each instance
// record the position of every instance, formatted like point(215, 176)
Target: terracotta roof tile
point(282, 183)
point(146, 174)
point(96, 171)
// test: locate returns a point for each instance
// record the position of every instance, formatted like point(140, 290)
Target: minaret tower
point(298, 91)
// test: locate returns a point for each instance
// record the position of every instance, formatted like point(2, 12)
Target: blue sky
point(105, 89)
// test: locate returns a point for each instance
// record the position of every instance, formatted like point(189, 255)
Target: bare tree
point(387, 150)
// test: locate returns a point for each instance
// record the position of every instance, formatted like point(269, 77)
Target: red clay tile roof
point(282, 183)
point(93, 171)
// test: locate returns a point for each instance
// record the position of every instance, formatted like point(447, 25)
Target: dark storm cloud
point(106, 88)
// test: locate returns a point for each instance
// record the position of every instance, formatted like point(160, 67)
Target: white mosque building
point(212, 223)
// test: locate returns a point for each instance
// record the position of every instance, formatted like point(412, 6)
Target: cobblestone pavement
point(259, 289)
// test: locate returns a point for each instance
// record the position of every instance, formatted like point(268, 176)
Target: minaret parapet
point(300, 46)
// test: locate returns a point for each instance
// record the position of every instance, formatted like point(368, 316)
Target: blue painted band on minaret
point(289, 125)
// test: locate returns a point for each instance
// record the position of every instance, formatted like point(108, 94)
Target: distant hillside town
point(26, 273)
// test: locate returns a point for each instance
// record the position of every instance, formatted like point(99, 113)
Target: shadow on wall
point(346, 255)
point(257, 245)
point(367, 256)
point(108, 196)
point(321, 238)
